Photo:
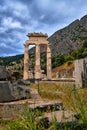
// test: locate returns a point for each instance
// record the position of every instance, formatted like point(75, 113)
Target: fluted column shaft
point(37, 63)
point(26, 63)
point(48, 62)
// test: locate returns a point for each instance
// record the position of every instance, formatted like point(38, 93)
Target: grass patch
point(73, 99)
point(66, 93)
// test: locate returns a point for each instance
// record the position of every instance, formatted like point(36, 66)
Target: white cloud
point(43, 3)
point(10, 23)
point(19, 9)
point(2, 29)
point(3, 8)
point(18, 18)
point(42, 16)
point(2, 45)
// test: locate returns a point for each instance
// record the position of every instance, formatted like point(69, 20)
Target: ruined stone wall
point(80, 72)
point(3, 73)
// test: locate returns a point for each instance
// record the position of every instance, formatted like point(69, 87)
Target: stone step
point(50, 106)
point(61, 119)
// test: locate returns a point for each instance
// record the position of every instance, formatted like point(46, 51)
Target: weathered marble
point(26, 62)
point(37, 63)
point(48, 62)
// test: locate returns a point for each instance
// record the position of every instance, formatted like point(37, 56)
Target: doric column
point(48, 62)
point(37, 63)
point(26, 63)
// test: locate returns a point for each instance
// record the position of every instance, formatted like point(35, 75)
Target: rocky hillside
point(69, 38)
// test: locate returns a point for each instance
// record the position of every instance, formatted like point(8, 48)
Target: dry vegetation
point(72, 98)
point(63, 67)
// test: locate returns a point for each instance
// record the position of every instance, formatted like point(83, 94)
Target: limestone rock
point(20, 91)
point(13, 75)
point(12, 92)
point(3, 73)
point(24, 82)
point(5, 92)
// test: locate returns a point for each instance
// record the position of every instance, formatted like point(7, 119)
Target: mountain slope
point(69, 38)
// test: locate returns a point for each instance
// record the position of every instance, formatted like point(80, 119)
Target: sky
point(20, 17)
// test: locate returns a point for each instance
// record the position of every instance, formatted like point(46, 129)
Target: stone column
point(26, 63)
point(48, 62)
point(37, 63)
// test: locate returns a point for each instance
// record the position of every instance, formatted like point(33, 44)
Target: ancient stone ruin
point(76, 74)
point(3, 73)
point(81, 72)
point(15, 90)
point(36, 39)
point(12, 89)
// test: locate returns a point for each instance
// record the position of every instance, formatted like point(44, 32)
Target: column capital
point(25, 45)
point(49, 45)
point(37, 44)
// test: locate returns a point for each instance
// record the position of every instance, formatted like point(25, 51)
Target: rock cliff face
point(69, 38)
